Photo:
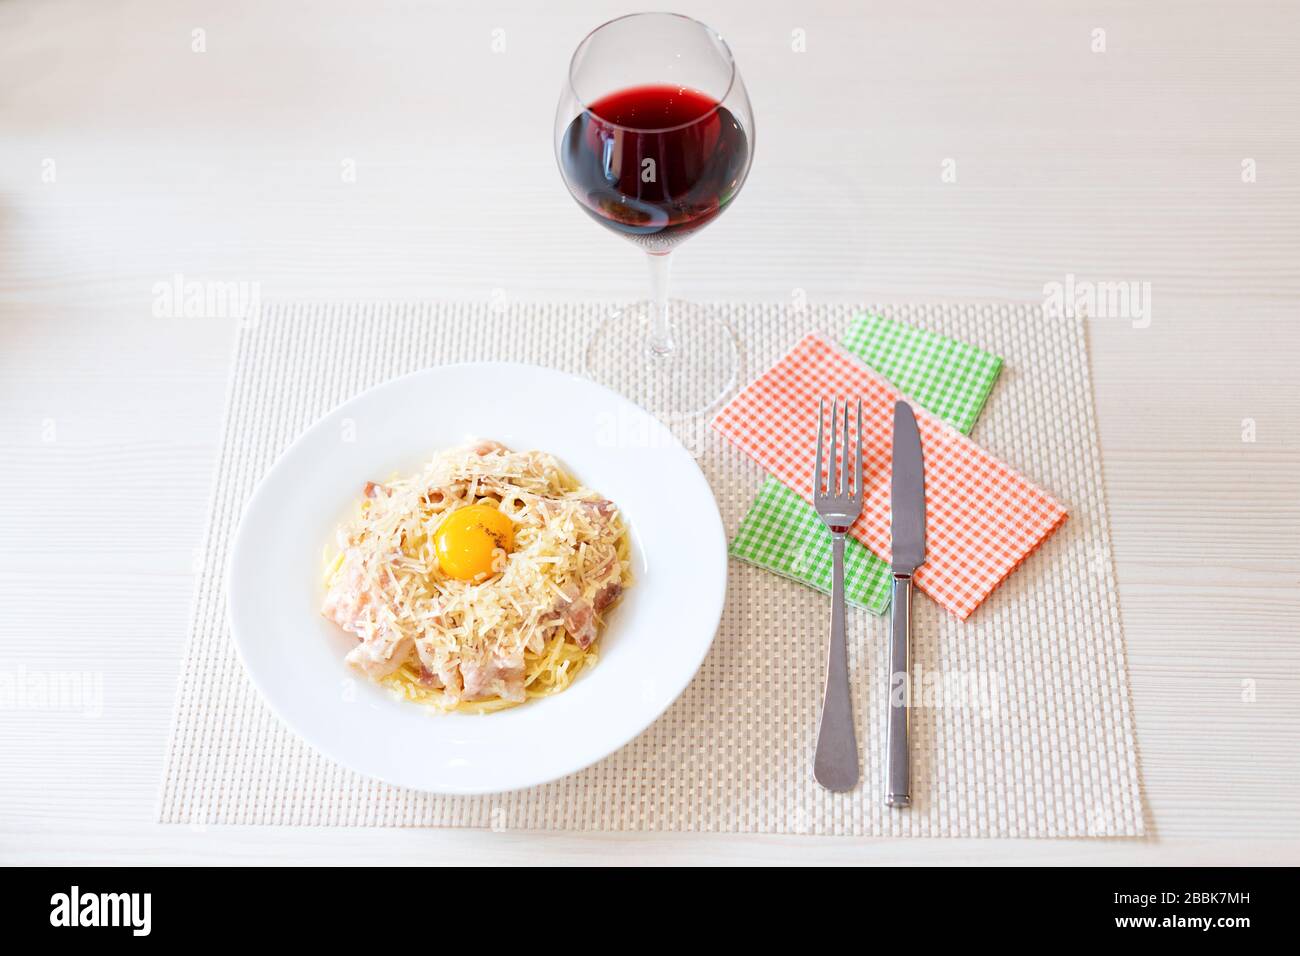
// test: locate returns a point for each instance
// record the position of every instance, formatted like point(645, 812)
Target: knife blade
point(907, 494)
point(907, 553)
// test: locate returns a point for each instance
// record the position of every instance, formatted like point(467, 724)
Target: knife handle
point(898, 771)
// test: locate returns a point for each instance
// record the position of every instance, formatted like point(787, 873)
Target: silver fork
point(839, 502)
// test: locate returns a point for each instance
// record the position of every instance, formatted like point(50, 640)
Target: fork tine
point(844, 467)
point(832, 479)
point(817, 469)
point(857, 458)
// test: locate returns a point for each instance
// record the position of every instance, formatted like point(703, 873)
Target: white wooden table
point(126, 158)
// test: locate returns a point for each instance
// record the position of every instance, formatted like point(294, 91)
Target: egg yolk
point(467, 538)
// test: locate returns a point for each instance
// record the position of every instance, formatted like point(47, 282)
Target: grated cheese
point(489, 644)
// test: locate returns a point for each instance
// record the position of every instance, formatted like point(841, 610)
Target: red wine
point(654, 162)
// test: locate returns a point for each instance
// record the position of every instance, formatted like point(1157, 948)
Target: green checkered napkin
point(950, 379)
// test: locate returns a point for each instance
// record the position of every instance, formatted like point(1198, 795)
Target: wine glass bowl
point(654, 138)
point(657, 184)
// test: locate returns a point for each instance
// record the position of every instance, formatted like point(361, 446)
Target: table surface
point(396, 150)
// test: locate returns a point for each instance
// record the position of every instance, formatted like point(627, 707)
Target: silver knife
point(907, 553)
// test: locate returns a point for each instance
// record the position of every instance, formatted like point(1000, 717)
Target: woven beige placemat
point(1025, 726)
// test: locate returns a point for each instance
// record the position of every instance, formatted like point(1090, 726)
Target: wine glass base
point(692, 379)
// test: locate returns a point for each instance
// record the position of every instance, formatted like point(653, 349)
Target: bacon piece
point(578, 617)
point(608, 595)
point(449, 674)
point(381, 654)
point(348, 603)
point(438, 500)
point(372, 487)
point(601, 507)
point(435, 663)
point(496, 677)
point(579, 621)
point(351, 605)
point(597, 510)
point(606, 578)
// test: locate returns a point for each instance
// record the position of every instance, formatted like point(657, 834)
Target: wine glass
point(654, 136)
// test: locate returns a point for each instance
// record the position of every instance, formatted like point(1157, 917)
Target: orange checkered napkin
point(982, 519)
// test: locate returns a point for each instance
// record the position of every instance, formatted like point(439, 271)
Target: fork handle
point(898, 772)
point(835, 764)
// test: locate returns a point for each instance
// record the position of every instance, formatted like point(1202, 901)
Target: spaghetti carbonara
point(479, 582)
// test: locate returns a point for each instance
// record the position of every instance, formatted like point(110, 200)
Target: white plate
point(657, 636)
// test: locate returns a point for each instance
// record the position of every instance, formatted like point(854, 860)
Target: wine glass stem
point(661, 330)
